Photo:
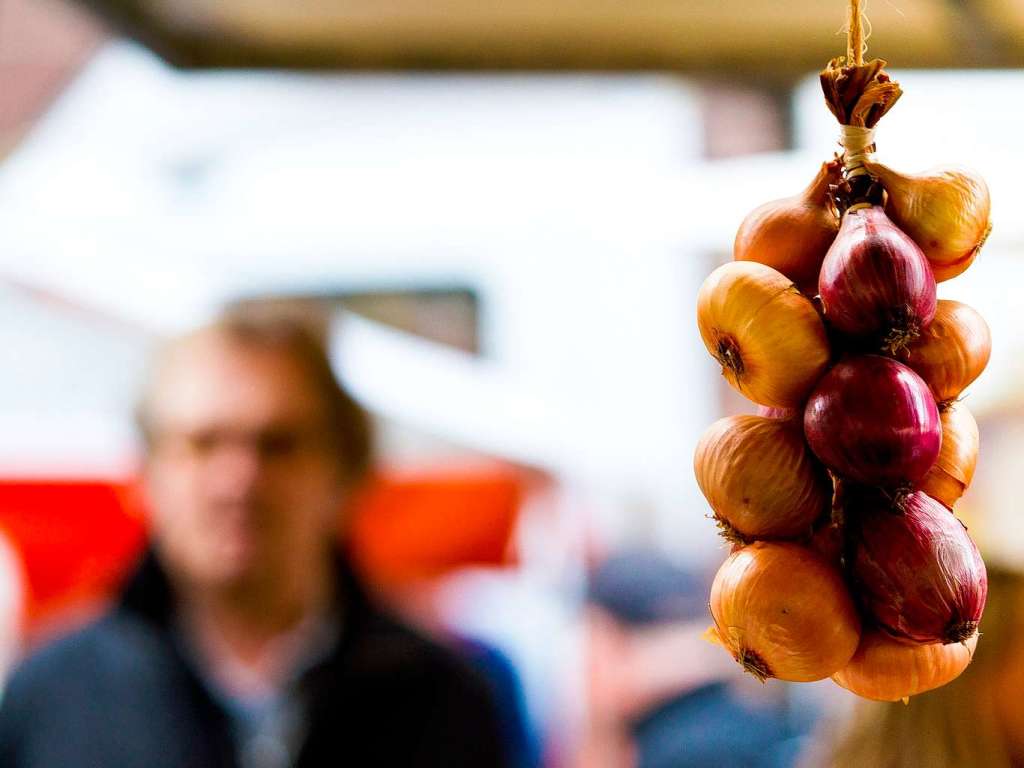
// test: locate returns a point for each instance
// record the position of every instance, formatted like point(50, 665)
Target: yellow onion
point(884, 669)
point(767, 336)
point(782, 611)
point(945, 211)
point(793, 235)
point(951, 352)
point(760, 478)
point(953, 471)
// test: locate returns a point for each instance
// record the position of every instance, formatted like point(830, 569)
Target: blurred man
point(244, 640)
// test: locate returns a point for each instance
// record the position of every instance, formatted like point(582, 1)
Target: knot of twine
point(858, 142)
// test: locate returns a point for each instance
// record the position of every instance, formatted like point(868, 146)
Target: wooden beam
point(753, 36)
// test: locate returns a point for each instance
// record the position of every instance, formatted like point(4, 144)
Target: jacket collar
point(371, 645)
point(148, 594)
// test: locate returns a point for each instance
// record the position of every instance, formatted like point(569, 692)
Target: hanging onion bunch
point(838, 497)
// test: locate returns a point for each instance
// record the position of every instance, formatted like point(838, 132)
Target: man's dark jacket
point(119, 694)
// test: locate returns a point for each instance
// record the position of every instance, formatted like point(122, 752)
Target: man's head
point(251, 448)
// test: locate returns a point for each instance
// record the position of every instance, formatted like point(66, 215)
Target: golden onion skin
point(793, 234)
point(782, 611)
point(760, 478)
point(767, 336)
point(943, 272)
point(884, 669)
point(952, 351)
point(953, 471)
point(946, 211)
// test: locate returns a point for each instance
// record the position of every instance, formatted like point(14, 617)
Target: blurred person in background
point(244, 640)
point(661, 695)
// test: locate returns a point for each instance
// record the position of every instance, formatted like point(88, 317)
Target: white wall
point(154, 195)
point(577, 206)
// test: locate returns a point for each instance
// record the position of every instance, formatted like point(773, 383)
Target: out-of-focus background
point(508, 208)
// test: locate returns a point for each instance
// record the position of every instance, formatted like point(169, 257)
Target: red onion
point(915, 568)
point(873, 420)
point(876, 282)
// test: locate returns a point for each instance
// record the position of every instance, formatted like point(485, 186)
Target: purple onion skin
point(915, 569)
point(875, 279)
point(874, 421)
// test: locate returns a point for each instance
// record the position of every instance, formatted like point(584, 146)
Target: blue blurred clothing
point(517, 732)
point(267, 733)
point(712, 728)
point(268, 729)
point(641, 588)
point(708, 727)
point(121, 694)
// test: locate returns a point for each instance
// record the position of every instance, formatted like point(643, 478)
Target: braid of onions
point(837, 496)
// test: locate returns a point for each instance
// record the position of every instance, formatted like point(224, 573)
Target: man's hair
point(301, 337)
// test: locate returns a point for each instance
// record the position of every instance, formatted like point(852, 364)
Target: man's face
point(241, 480)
